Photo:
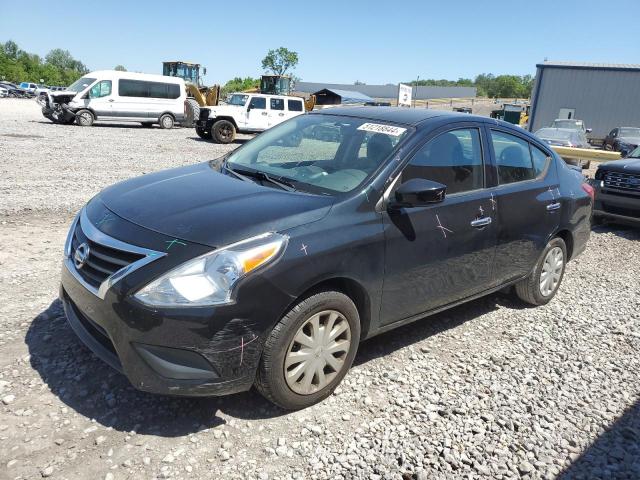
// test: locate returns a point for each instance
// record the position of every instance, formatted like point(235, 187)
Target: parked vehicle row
point(326, 229)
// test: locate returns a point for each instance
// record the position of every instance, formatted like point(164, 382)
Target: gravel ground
point(491, 389)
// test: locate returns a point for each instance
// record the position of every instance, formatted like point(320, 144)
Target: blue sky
point(338, 41)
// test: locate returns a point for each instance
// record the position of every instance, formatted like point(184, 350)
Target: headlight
point(210, 278)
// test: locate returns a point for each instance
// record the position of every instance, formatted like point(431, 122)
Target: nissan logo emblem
point(81, 255)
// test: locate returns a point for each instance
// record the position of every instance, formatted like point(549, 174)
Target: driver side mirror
point(249, 107)
point(589, 130)
point(418, 192)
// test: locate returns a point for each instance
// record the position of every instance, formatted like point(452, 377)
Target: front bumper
point(193, 351)
point(204, 124)
point(622, 207)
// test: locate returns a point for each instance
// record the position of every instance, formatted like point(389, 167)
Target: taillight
point(590, 190)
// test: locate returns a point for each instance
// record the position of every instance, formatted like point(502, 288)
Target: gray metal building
point(390, 91)
point(605, 96)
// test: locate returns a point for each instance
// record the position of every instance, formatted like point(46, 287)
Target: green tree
point(238, 84)
point(280, 61)
point(120, 68)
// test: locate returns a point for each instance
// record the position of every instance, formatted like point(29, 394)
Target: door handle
point(111, 100)
point(264, 113)
point(481, 222)
point(281, 114)
point(553, 206)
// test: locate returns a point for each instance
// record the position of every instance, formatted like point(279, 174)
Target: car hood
point(627, 165)
point(198, 204)
point(230, 110)
point(630, 140)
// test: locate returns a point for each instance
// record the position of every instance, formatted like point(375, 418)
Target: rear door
point(527, 202)
point(441, 253)
point(277, 111)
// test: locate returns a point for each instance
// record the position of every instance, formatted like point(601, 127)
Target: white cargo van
point(111, 95)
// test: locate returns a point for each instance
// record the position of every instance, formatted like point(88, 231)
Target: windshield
point(320, 153)
point(237, 100)
point(629, 132)
point(554, 134)
point(81, 84)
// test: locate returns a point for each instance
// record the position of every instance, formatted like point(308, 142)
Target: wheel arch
point(349, 287)
point(230, 119)
point(567, 237)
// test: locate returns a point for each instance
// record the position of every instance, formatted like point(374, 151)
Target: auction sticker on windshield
point(380, 128)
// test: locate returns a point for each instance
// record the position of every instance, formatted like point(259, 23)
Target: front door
point(257, 114)
point(528, 204)
point(100, 99)
point(442, 253)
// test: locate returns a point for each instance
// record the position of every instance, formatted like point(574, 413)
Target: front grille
point(103, 261)
point(628, 182)
point(204, 114)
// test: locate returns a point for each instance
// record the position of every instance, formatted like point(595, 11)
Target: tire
point(530, 289)
point(202, 133)
point(294, 394)
point(166, 121)
point(586, 165)
point(192, 112)
point(608, 147)
point(84, 118)
point(223, 131)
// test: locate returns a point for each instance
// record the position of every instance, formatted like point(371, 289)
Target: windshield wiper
point(280, 182)
point(236, 174)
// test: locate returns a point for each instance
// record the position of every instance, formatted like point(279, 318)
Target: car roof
point(557, 129)
point(266, 95)
point(405, 116)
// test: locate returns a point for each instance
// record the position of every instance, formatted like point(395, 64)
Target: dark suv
point(617, 190)
point(269, 267)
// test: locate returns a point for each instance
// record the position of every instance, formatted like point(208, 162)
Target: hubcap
point(317, 352)
point(166, 121)
point(551, 271)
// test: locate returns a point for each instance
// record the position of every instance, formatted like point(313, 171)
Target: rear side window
point(277, 104)
point(138, 88)
point(258, 102)
point(294, 105)
point(540, 160)
point(452, 158)
point(513, 158)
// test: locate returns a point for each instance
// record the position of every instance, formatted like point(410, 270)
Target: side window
point(277, 104)
point(294, 105)
point(133, 88)
point(174, 91)
point(513, 158)
point(100, 89)
point(258, 102)
point(157, 90)
point(540, 160)
point(614, 132)
point(452, 158)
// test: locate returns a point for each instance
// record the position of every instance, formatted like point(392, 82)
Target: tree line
point(487, 85)
point(58, 67)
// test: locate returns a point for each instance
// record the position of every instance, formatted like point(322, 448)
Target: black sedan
point(617, 190)
point(269, 267)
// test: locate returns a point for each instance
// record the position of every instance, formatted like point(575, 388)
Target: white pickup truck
point(246, 112)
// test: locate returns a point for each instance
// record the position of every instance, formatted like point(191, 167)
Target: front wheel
point(308, 353)
point(541, 286)
point(84, 118)
point(223, 131)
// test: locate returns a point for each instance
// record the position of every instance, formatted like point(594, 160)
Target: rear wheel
point(84, 118)
point(223, 131)
point(541, 286)
point(166, 121)
point(308, 353)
